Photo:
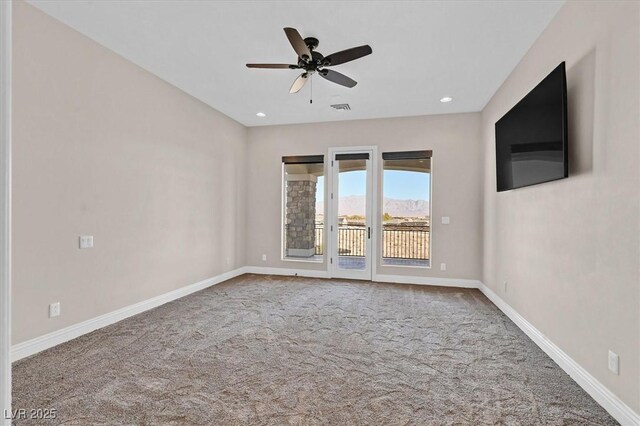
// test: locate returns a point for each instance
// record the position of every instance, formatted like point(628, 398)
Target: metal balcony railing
point(397, 242)
point(405, 244)
point(319, 240)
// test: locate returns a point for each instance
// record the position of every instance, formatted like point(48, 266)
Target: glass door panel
point(352, 248)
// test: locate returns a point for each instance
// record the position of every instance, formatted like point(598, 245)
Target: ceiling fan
point(313, 62)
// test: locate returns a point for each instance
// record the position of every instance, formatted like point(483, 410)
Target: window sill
point(320, 260)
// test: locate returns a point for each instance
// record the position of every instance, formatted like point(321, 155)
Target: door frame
point(5, 211)
point(372, 209)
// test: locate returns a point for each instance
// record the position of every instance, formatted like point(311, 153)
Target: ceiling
point(422, 51)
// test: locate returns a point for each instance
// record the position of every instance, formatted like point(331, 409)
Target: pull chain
point(311, 87)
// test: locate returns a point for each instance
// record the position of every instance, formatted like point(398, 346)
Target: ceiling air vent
point(342, 107)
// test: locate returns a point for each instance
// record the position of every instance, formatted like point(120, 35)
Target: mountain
point(354, 205)
point(406, 208)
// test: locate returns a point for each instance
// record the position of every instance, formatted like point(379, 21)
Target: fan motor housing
point(317, 61)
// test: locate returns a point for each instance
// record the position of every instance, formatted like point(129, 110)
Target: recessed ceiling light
point(446, 99)
point(261, 114)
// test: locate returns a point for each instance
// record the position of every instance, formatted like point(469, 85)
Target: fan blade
point(298, 43)
point(347, 55)
point(338, 78)
point(300, 81)
point(273, 66)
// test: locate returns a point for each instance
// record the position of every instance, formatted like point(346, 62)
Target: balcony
point(401, 245)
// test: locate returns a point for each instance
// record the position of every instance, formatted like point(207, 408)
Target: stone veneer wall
point(301, 215)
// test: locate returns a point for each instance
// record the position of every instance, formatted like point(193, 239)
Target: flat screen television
point(531, 139)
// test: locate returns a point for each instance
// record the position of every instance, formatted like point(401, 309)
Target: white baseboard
point(397, 279)
point(442, 282)
point(603, 396)
point(265, 270)
point(38, 344)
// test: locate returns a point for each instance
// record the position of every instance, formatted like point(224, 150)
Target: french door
point(351, 219)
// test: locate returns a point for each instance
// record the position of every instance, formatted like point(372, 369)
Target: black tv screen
point(531, 139)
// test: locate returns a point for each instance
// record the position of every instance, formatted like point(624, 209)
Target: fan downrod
point(311, 42)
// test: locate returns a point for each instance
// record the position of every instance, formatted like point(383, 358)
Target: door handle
point(369, 232)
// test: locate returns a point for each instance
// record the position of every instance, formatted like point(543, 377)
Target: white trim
point(5, 211)
point(380, 214)
point(375, 205)
point(435, 281)
point(309, 261)
point(283, 208)
point(371, 217)
point(603, 396)
point(397, 279)
point(301, 254)
point(33, 346)
point(265, 270)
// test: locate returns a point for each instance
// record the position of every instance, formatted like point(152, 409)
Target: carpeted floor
point(278, 351)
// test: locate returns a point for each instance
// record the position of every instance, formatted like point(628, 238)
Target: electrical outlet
point(446, 220)
point(264, 257)
point(54, 310)
point(86, 241)
point(228, 260)
point(443, 266)
point(614, 363)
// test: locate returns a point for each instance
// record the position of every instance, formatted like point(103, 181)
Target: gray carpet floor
point(272, 350)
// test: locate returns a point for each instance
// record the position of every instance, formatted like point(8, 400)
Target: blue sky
point(399, 185)
point(403, 185)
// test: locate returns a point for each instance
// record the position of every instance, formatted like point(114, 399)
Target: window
point(303, 198)
point(406, 209)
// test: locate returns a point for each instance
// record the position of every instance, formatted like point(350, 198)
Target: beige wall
point(102, 147)
point(569, 250)
point(456, 186)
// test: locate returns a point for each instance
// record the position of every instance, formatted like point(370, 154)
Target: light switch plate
point(443, 266)
point(446, 220)
point(86, 241)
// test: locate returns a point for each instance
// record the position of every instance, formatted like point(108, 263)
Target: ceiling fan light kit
point(313, 62)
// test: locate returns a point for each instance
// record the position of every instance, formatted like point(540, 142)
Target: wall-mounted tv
point(531, 139)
